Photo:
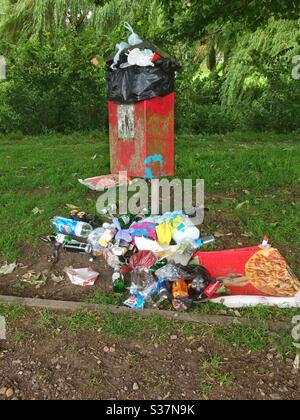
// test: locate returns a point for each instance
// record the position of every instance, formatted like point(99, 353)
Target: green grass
point(258, 313)
point(102, 298)
point(46, 319)
point(255, 338)
point(43, 172)
point(13, 313)
point(18, 335)
point(123, 325)
point(211, 372)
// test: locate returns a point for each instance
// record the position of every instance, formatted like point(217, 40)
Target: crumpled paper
point(8, 268)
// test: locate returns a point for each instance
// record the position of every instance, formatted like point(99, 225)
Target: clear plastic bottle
point(100, 239)
point(188, 247)
point(109, 210)
point(71, 227)
point(186, 231)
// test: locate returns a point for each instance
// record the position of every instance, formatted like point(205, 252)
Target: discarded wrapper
point(8, 268)
point(248, 301)
point(102, 182)
point(135, 301)
point(82, 276)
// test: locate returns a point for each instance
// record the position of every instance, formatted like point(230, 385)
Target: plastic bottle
point(71, 227)
point(207, 240)
point(162, 293)
point(186, 231)
point(111, 209)
point(100, 239)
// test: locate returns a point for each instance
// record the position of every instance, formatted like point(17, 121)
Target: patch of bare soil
point(14, 286)
point(58, 365)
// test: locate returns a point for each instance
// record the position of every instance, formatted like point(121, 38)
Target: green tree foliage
point(254, 56)
point(32, 18)
point(54, 88)
point(237, 59)
point(192, 17)
point(258, 84)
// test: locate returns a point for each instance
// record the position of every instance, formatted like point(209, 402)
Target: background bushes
point(52, 85)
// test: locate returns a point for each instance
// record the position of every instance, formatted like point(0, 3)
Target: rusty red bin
point(142, 137)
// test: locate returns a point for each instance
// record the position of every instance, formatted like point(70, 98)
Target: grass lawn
point(260, 170)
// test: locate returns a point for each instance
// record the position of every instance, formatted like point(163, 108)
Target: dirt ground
point(14, 286)
point(47, 363)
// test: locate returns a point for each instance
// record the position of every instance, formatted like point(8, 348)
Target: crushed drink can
point(212, 288)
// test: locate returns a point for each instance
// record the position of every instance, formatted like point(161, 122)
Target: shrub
point(54, 87)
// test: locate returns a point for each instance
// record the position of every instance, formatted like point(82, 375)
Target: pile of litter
point(159, 260)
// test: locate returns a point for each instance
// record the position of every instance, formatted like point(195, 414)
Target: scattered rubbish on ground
point(57, 278)
point(159, 261)
point(100, 183)
point(71, 227)
point(8, 268)
point(37, 211)
point(71, 206)
point(34, 279)
point(82, 276)
point(296, 364)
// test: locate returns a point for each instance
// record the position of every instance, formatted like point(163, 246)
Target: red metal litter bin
point(142, 137)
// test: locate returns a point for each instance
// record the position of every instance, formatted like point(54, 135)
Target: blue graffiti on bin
point(148, 161)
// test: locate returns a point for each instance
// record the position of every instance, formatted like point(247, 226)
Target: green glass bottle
point(158, 265)
point(118, 282)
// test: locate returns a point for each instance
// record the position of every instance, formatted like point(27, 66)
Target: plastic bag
point(120, 47)
point(142, 58)
point(170, 272)
point(100, 238)
point(134, 38)
point(184, 253)
point(144, 259)
point(112, 260)
point(166, 230)
point(186, 231)
point(134, 83)
point(140, 279)
point(145, 229)
point(145, 244)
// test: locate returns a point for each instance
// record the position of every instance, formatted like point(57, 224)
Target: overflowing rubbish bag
point(139, 71)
